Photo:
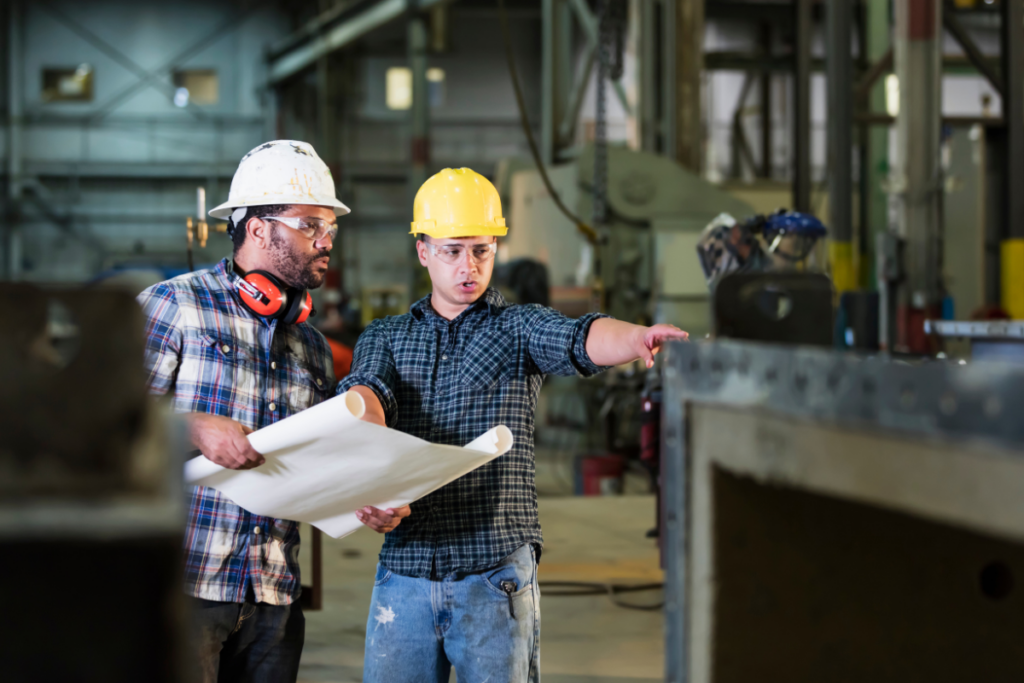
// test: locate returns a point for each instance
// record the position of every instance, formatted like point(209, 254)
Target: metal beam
point(116, 55)
point(766, 104)
point(917, 179)
point(689, 68)
point(368, 17)
point(588, 22)
point(882, 66)
point(802, 107)
point(647, 81)
point(980, 62)
point(549, 94)
point(1013, 112)
point(839, 19)
point(567, 130)
point(419, 113)
point(15, 150)
point(668, 78)
point(232, 23)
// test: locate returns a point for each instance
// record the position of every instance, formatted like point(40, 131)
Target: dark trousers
point(234, 642)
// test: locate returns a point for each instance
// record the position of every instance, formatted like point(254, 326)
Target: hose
point(612, 590)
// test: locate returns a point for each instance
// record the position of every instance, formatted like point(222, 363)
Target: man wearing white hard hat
point(231, 347)
point(457, 581)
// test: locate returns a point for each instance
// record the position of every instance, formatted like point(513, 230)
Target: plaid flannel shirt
point(450, 381)
point(211, 355)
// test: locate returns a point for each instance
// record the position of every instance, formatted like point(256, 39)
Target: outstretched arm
point(613, 342)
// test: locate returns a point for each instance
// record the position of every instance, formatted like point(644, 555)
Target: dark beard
point(294, 269)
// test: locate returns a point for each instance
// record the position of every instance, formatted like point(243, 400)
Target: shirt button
point(445, 357)
point(319, 382)
point(272, 406)
point(256, 531)
point(273, 366)
point(226, 348)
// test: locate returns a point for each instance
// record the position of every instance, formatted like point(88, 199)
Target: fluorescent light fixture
point(892, 95)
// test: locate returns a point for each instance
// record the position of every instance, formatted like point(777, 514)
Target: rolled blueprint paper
point(325, 463)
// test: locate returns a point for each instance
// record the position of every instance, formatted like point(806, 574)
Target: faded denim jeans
point(485, 624)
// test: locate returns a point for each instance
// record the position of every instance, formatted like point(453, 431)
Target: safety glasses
point(454, 253)
point(311, 228)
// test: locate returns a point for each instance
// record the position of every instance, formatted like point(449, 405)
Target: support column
point(766, 103)
point(15, 140)
point(689, 43)
point(918, 173)
point(669, 67)
point(875, 168)
point(839, 64)
point(1012, 251)
point(647, 42)
point(556, 73)
point(420, 110)
point(802, 106)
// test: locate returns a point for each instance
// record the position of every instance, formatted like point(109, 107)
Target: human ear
point(259, 232)
point(421, 251)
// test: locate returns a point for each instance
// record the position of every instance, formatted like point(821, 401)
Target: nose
point(324, 242)
point(467, 263)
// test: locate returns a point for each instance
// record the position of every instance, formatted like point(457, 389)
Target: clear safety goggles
point(311, 228)
point(454, 253)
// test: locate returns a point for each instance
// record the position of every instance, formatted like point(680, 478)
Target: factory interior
point(822, 481)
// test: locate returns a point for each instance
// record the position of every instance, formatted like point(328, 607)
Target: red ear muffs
point(266, 296)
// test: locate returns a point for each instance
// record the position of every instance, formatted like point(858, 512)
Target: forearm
point(374, 409)
point(613, 342)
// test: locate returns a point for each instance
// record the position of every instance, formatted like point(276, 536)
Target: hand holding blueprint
point(325, 463)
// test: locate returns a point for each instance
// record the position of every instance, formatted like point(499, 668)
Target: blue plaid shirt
point(211, 355)
point(448, 382)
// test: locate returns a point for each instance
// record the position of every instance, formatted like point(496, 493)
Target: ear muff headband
point(266, 296)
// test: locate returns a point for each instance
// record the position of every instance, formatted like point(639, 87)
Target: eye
point(451, 252)
point(481, 251)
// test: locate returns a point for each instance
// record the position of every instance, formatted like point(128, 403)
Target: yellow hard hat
point(457, 202)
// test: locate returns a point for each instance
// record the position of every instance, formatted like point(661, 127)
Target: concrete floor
point(584, 639)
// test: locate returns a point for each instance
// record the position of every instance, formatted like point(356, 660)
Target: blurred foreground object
point(90, 495)
point(834, 518)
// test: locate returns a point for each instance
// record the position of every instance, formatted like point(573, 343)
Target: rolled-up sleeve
point(557, 344)
point(163, 337)
point(373, 366)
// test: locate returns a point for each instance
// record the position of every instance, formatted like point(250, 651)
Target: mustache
point(323, 253)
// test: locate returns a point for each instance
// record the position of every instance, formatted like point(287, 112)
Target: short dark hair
point(237, 230)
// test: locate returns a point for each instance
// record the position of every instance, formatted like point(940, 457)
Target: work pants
point(236, 642)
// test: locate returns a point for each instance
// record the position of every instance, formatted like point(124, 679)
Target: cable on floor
point(612, 590)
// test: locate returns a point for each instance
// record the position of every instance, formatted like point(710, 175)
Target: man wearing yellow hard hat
point(457, 579)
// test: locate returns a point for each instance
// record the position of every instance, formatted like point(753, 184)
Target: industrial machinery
point(830, 517)
point(645, 265)
point(91, 505)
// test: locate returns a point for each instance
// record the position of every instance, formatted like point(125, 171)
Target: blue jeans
point(485, 624)
point(235, 642)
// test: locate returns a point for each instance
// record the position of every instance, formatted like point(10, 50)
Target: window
point(195, 86)
point(399, 87)
point(398, 82)
point(72, 84)
point(435, 87)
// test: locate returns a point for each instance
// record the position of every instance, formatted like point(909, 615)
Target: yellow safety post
point(844, 275)
point(1012, 276)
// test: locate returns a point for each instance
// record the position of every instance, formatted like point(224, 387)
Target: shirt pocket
point(306, 388)
point(488, 363)
point(225, 352)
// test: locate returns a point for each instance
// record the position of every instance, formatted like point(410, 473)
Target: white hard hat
point(281, 172)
